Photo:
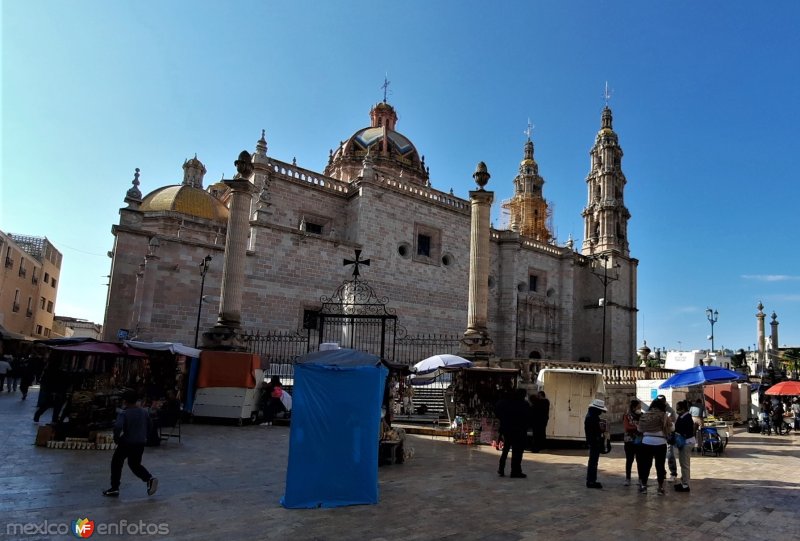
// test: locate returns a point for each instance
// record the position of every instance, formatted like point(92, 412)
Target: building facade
point(28, 284)
point(546, 300)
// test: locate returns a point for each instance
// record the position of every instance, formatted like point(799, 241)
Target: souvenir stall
point(170, 363)
point(88, 379)
point(475, 392)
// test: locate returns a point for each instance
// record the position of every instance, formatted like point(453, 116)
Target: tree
point(790, 358)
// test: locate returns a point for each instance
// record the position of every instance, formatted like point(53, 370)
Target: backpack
point(651, 421)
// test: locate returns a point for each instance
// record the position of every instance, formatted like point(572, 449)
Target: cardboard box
point(45, 434)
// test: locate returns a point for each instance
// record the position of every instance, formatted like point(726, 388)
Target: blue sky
point(706, 102)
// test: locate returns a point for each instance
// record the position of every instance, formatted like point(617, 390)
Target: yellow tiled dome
point(185, 200)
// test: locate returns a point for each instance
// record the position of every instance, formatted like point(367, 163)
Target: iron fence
point(280, 348)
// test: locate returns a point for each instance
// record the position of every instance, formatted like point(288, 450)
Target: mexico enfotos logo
point(84, 528)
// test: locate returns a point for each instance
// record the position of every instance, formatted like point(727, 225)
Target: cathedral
point(545, 300)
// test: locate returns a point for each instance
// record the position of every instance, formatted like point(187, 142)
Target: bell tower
point(605, 216)
point(529, 214)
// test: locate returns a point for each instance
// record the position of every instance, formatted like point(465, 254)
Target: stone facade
point(543, 297)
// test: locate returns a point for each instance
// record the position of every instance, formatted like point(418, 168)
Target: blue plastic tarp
point(333, 443)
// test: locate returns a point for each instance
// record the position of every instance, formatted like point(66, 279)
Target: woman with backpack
point(655, 426)
point(632, 437)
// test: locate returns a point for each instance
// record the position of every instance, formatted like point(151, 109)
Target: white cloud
point(770, 277)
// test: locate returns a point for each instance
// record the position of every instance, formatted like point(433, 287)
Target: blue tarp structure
point(333, 443)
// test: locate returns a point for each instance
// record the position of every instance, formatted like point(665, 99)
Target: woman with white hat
point(596, 438)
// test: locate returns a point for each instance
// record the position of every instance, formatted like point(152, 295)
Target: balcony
point(15, 307)
point(34, 279)
point(23, 272)
point(28, 313)
point(9, 262)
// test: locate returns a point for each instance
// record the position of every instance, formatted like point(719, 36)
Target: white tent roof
point(598, 376)
point(172, 347)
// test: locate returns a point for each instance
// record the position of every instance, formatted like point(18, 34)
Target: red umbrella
point(785, 388)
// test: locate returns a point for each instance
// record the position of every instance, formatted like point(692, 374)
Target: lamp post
point(203, 270)
point(605, 279)
point(712, 316)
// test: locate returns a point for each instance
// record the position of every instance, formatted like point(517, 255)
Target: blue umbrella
point(702, 375)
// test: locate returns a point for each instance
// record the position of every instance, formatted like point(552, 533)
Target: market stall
point(171, 363)
point(83, 384)
point(474, 393)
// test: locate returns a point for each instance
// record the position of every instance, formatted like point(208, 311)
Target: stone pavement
point(225, 482)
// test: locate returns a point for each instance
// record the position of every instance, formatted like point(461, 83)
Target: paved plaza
point(225, 482)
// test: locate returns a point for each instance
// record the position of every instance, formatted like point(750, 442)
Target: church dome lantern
point(393, 154)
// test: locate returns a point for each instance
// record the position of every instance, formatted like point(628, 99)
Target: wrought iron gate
point(355, 317)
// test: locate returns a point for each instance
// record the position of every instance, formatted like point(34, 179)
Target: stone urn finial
point(481, 175)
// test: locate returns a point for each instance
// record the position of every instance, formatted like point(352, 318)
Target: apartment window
point(50, 307)
point(34, 278)
point(46, 277)
point(9, 261)
point(22, 270)
point(53, 281)
point(15, 306)
point(47, 332)
point(39, 330)
point(42, 303)
point(29, 310)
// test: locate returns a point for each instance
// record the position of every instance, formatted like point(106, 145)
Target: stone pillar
point(223, 335)
point(761, 365)
point(476, 341)
point(774, 330)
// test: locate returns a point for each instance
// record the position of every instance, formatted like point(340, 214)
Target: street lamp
point(712, 316)
point(203, 270)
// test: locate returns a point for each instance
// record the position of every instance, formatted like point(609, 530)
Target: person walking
point(596, 437)
point(541, 414)
point(12, 377)
point(130, 434)
point(672, 464)
point(796, 412)
point(514, 415)
point(685, 441)
point(25, 378)
point(777, 418)
point(655, 425)
point(5, 369)
point(632, 437)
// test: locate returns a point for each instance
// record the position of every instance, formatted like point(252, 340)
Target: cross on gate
point(356, 262)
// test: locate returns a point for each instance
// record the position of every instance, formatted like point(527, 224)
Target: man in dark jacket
point(595, 437)
point(514, 415)
point(130, 434)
